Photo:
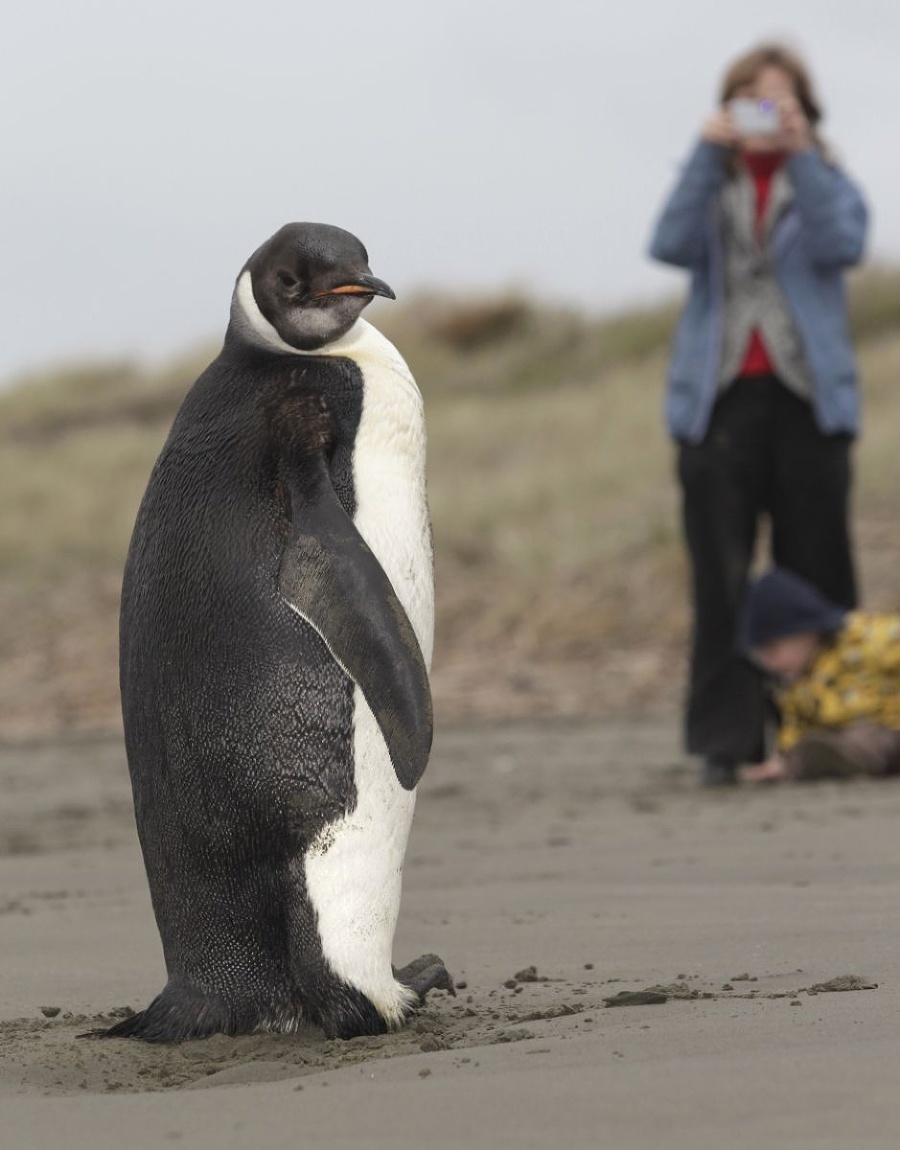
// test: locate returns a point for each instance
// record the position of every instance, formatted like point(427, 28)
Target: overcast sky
point(149, 147)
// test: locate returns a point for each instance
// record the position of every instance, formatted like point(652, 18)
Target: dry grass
point(560, 571)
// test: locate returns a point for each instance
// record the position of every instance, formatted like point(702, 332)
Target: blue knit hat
point(781, 604)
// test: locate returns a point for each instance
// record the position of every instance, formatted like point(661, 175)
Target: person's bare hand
point(718, 129)
point(773, 770)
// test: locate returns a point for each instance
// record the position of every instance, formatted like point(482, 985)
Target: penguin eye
point(287, 279)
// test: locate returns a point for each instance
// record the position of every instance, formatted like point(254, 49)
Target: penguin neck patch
point(362, 342)
point(254, 326)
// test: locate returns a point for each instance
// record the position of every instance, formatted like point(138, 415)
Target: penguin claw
point(424, 974)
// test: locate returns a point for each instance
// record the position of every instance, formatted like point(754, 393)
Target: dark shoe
point(718, 773)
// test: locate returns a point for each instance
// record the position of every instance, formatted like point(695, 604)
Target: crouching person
point(837, 681)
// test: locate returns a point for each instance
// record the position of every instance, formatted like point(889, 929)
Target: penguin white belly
point(353, 873)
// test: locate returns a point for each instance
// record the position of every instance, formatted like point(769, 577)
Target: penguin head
point(304, 288)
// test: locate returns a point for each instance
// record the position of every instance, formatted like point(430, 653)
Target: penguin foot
point(179, 1012)
point(424, 974)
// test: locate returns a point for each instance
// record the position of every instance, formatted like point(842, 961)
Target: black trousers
point(762, 455)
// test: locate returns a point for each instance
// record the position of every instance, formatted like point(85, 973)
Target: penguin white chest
point(389, 484)
point(354, 874)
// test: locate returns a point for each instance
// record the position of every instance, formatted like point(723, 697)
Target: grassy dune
point(561, 579)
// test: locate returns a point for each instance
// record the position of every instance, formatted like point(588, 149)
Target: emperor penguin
point(275, 638)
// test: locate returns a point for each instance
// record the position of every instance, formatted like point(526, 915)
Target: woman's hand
point(796, 134)
point(719, 129)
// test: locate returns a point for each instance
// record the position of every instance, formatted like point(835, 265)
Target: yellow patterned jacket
point(855, 678)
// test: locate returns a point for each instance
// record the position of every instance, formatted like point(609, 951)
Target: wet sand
point(585, 852)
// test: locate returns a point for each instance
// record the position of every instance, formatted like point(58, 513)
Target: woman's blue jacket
point(821, 232)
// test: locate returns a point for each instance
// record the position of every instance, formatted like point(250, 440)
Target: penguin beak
point(362, 285)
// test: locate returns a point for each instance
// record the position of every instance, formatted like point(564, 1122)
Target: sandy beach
point(553, 867)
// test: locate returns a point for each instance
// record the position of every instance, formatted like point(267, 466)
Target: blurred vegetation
point(550, 478)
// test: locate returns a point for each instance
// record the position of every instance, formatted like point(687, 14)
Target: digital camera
point(754, 117)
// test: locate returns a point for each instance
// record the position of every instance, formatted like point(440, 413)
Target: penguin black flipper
point(331, 578)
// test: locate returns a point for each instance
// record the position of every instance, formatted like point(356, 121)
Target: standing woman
point(762, 389)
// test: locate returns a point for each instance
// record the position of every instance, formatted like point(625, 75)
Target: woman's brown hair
point(746, 68)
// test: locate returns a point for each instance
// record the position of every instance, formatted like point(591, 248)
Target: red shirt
point(762, 166)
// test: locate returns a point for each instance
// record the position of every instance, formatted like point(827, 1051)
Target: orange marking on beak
point(345, 289)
